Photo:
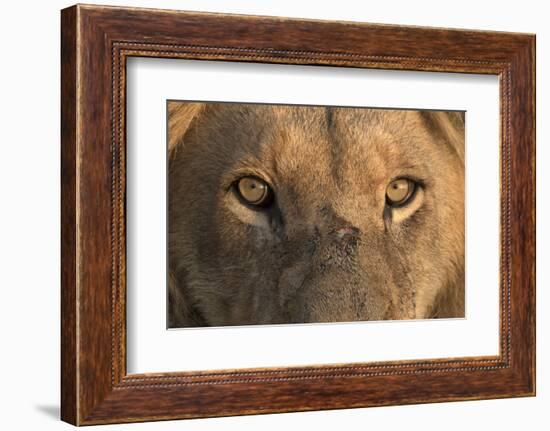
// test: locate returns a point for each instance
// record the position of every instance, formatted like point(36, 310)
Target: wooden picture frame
point(95, 43)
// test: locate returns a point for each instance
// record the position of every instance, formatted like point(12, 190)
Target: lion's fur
point(329, 168)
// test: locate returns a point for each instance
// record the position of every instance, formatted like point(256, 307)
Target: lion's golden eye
point(254, 191)
point(400, 191)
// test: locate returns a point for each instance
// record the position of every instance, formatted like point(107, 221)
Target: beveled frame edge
point(96, 41)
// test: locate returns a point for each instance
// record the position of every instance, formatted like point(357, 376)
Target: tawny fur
point(329, 168)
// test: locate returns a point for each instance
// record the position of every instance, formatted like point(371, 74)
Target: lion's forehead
point(291, 138)
point(314, 148)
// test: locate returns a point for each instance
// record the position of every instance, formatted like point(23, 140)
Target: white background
point(151, 348)
point(29, 227)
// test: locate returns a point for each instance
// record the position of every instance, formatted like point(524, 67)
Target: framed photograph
point(263, 215)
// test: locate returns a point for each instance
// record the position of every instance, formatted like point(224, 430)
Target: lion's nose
point(347, 234)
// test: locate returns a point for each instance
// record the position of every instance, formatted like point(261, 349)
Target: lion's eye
point(254, 191)
point(400, 191)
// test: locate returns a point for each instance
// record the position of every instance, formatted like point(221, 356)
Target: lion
point(283, 214)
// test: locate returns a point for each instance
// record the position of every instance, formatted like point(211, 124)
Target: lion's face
point(284, 214)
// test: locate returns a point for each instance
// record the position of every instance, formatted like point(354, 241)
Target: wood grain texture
point(69, 397)
point(96, 41)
